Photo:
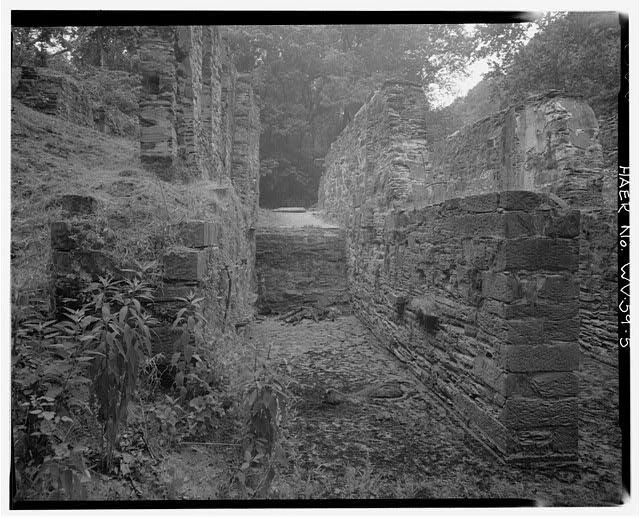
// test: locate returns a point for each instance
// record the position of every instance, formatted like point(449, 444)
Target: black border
point(624, 328)
point(137, 17)
point(126, 18)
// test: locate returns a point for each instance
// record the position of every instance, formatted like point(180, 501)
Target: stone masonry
point(299, 267)
point(54, 93)
point(199, 124)
point(200, 121)
point(550, 144)
point(478, 286)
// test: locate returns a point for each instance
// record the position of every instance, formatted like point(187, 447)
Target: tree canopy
point(311, 79)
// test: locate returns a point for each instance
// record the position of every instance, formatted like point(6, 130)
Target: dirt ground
point(362, 427)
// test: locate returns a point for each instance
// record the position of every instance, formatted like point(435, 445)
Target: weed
point(263, 405)
point(121, 339)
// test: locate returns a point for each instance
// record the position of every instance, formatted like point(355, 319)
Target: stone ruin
point(485, 261)
point(199, 123)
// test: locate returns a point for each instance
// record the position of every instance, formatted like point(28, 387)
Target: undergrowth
point(74, 381)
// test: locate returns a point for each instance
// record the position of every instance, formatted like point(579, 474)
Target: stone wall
point(189, 104)
point(427, 230)
point(479, 296)
point(200, 127)
point(245, 159)
point(550, 144)
point(300, 267)
point(379, 155)
point(213, 259)
point(202, 122)
point(54, 93)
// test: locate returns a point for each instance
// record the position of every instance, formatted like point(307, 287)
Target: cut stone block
point(538, 254)
point(60, 236)
point(184, 264)
point(198, 234)
point(527, 413)
point(501, 286)
point(559, 356)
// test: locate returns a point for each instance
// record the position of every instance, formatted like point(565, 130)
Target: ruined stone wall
point(54, 93)
point(212, 258)
point(245, 159)
point(188, 105)
point(379, 157)
point(200, 122)
point(479, 296)
point(215, 259)
point(530, 147)
point(550, 144)
point(301, 267)
point(158, 102)
point(426, 265)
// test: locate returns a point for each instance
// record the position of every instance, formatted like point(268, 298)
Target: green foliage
point(119, 337)
point(263, 409)
point(311, 80)
point(112, 47)
point(86, 364)
point(48, 389)
point(574, 52)
point(36, 46)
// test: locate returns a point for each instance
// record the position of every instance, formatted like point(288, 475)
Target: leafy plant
point(48, 389)
point(121, 338)
point(264, 405)
point(190, 322)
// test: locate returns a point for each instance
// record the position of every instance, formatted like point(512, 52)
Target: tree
point(574, 52)
point(102, 46)
point(312, 79)
point(35, 46)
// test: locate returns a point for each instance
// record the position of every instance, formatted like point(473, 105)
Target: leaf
point(188, 351)
point(85, 358)
point(174, 358)
point(122, 314)
point(53, 391)
point(48, 415)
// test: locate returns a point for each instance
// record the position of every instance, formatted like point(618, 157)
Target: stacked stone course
point(205, 126)
point(480, 298)
point(301, 267)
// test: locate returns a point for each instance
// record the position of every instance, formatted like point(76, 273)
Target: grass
point(51, 157)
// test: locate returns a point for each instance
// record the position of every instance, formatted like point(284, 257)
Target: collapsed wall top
point(383, 155)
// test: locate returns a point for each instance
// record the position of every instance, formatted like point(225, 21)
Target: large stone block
point(538, 253)
point(61, 236)
point(562, 288)
point(199, 234)
point(565, 225)
point(527, 413)
point(545, 385)
point(185, 264)
point(557, 356)
point(501, 286)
